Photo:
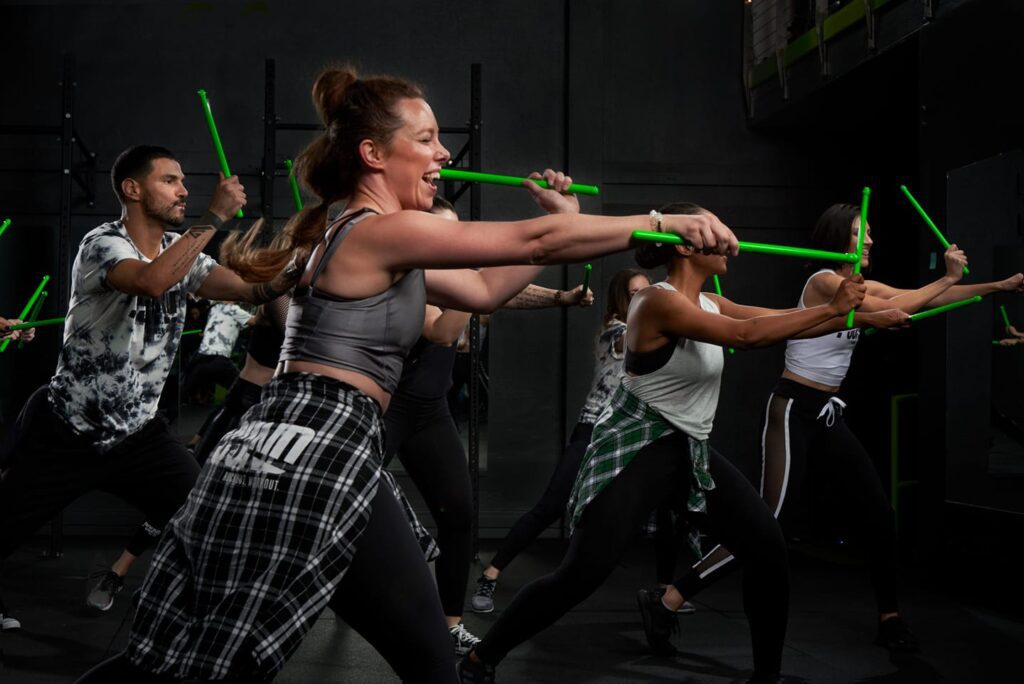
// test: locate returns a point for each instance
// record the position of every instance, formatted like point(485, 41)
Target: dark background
point(645, 99)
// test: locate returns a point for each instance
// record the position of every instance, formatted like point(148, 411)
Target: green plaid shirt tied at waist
point(626, 427)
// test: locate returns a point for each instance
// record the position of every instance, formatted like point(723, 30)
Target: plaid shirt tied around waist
point(625, 427)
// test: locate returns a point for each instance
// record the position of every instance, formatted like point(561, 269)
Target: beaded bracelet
point(656, 220)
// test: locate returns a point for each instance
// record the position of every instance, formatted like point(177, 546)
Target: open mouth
point(431, 178)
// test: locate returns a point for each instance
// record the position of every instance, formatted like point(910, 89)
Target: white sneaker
point(463, 639)
point(7, 623)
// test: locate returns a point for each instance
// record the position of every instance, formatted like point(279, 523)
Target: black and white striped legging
point(805, 439)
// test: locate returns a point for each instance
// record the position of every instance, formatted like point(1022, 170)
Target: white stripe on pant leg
point(764, 433)
point(785, 478)
point(716, 565)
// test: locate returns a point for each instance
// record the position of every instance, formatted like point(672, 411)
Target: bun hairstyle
point(352, 109)
point(832, 231)
point(655, 254)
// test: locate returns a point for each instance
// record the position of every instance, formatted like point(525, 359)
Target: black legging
point(552, 503)
point(838, 467)
point(736, 514)
point(387, 595)
point(423, 435)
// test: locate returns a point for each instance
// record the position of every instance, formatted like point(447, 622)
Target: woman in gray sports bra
point(293, 511)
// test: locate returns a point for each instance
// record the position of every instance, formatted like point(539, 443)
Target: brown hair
point(352, 109)
point(655, 254)
point(618, 294)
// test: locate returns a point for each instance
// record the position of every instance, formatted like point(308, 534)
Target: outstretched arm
point(152, 279)
point(676, 316)
point(886, 319)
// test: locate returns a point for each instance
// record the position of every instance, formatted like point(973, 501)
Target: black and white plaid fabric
point(246, 566)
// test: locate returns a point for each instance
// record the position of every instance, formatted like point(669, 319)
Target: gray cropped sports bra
point(371, 336)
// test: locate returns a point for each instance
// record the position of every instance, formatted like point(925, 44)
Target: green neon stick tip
point(1006, 319)
point(3, 226)
point(586, 278)
point(28, 308)
point(294, 184)
point(515, 181)
point(36, 324)
point(861, 232)
point(928, 221)
point(217, 146)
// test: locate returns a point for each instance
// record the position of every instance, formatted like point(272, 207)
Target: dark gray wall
point(644, 99)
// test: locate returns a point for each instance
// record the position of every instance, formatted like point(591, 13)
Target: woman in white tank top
point(804, 416)
point(650, 448)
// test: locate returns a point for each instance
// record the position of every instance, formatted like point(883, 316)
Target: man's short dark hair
point(135, 162)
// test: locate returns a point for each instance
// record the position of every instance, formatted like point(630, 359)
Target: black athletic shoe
point(894, 635)
point(483, 599)
point(474, 673)
point(101, 596)
point(659, 622)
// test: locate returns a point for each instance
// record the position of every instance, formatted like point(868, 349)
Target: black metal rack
point(84, 175)
point(469, 155)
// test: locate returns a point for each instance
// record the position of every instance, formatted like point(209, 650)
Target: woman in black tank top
point(295, 501)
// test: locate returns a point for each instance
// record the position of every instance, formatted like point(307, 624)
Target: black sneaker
point(102, 595)
point(483, 599)
point(7, 623)
point(894, 635)
point(474, 673)
point(659, 622)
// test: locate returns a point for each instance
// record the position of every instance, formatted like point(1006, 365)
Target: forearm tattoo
point(535, 297)
point(194, 244)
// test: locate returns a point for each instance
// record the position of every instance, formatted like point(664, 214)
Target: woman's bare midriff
point(256, 372)
point(357, 380)
point(790, 375)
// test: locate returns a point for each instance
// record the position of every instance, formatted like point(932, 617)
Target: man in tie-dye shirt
point(95, 425)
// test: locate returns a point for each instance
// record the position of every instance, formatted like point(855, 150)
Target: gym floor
point(830, 633)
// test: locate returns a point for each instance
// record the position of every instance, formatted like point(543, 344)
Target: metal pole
point(67, 149)
point(269, 146)
point(475, 149)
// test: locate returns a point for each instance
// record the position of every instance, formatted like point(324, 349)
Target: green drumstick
point(752, 247)
point(35, 313)
point(294, 183)
point(216, 139)
point(3, 226)
point(28, 308)
point(1006, 319)
point(928, 221)
point(861, 232)
point(586, 278)
point(517, 181)
point(37, 324)
point(928, 313)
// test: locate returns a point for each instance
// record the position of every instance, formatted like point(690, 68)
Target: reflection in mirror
point(1006, 449)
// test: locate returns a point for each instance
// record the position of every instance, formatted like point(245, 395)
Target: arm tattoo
point(535, 297)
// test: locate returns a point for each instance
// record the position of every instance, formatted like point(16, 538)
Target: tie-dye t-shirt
point(118, 347)
point(223, 324)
